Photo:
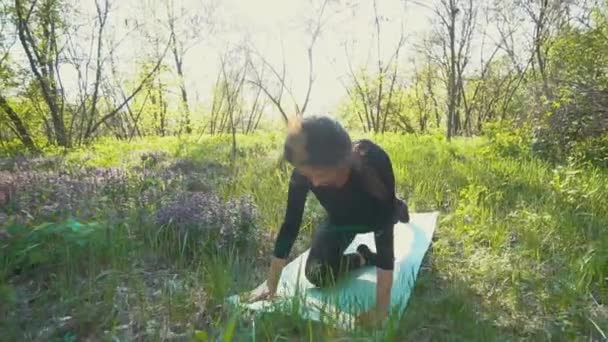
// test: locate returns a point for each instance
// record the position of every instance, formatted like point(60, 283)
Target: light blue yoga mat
point(339, 305)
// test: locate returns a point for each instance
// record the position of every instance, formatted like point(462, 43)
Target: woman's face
point(326, 176)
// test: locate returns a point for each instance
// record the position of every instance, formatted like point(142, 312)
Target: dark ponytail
point(371, 180)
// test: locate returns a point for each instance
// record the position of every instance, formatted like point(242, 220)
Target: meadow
point(143, 241)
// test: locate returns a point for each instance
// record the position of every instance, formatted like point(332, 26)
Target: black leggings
point(327, 262)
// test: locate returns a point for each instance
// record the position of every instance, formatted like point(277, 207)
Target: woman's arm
point(383, 292)
point(276, 266)
point(385, 261)
point(378, 160)
point(296, 200)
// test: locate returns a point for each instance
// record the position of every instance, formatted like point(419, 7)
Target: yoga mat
point(340, 304)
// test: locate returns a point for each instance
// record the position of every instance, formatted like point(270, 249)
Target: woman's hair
point(321, 141)
point(317, 141)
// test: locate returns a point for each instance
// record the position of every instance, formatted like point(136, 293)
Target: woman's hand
point(262, 292)
point(372, 318)
point(379, 313)
point(268, 288)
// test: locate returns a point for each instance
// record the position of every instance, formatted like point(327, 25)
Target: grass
point(520, 252)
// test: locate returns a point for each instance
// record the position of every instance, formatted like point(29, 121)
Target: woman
point(356, 186)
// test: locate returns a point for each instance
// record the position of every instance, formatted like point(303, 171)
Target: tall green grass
point(521, 250)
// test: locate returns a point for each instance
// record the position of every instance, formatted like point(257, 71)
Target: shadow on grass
point(444, 309)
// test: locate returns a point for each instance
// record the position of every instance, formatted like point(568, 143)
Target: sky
point(277, 30)
point(274, 28)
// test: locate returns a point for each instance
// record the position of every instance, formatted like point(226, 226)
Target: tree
point(375, 93)
point(548, 17)
point(425, 97)
point(18, 127)
point(235, 106)
point(14, 123)
point(51, 38)
point(260, 66)
point(92, 129)
point(38, 24)
point(185, 27)
point(457, 20)
point(577, 64)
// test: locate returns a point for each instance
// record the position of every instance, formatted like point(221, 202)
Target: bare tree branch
point(300, 107)
point(315, 35)
point(113, 112)
point(102, 16)
point(258, 81)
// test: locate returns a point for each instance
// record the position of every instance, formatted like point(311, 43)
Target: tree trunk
point(179, 59)
point(46, 81)
point(452, 72)
point(538, 46)
point(162, 108)
point(21, 130)
point(102, 16)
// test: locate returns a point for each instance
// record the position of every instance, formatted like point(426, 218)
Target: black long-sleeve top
point(350, 205)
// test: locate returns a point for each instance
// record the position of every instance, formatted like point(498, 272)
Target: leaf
point(7, 293)
point(75, 225)
point(81, 242)
point(200, 336)
point(230, 328)
point(23, 253)
point(37, 256)
point(16, 229)
point(69, 337)
point(42, 226)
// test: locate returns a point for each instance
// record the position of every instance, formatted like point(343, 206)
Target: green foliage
point(51, 243)
point(577, 116)
point(415, 108)
point(520, 242)
point(581, 54)
point(593, 151)
point(508, 141)
point(496, 95)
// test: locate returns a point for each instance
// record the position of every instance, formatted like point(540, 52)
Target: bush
point(46, 194)
point(592, 151)
point(25, 163)
point(49, 243)
point(202, 219)
point(509, 141)
point(549, 145)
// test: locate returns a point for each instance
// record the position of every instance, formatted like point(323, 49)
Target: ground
point(120, 240)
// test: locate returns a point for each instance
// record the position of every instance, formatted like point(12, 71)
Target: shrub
point(202, 219)
point(49, 243)
point(45, 194)
point(592, 151)
point(509, 141)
